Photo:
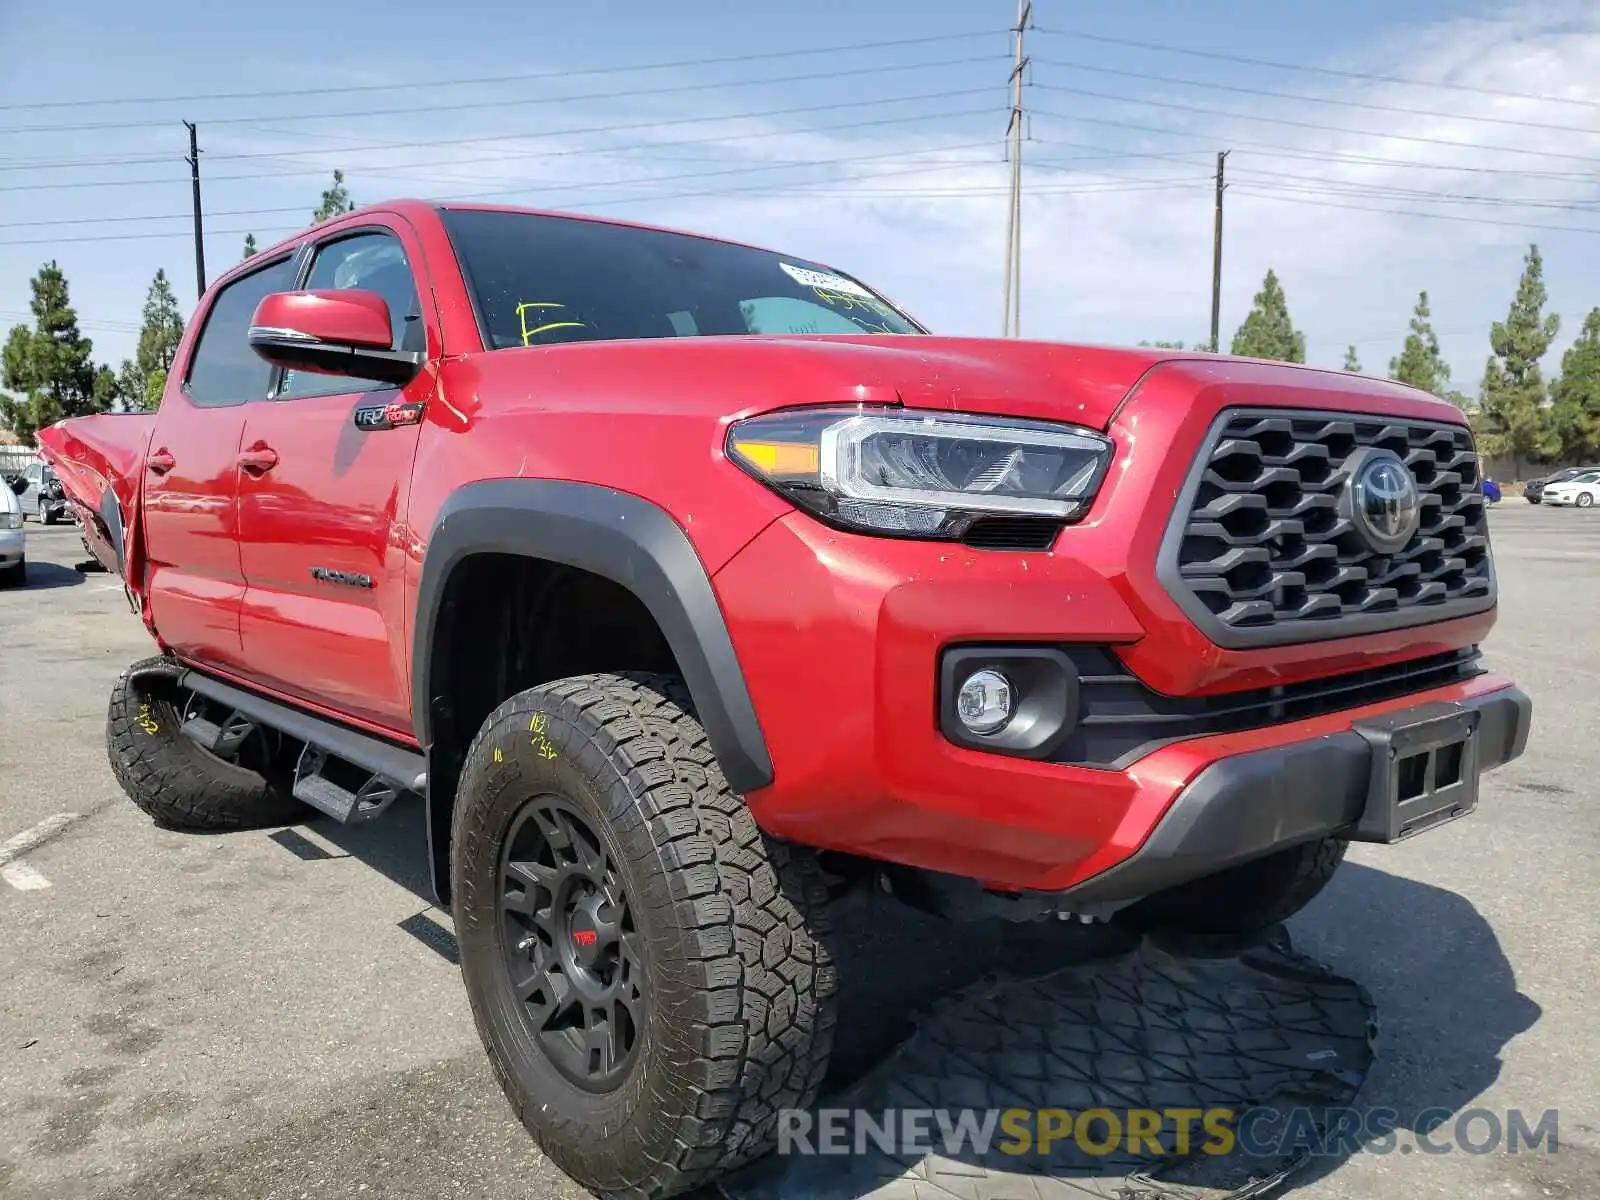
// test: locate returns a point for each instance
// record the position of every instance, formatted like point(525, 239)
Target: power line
point(1316, 183)
point(1239, 116)
point(1334, 72)
point(1247, 190)
point(807, 188)
point(1279, 150)
point(503, 103)
point(525, 186)
point(632, 127)
point(1303, 98)
point(527, 77)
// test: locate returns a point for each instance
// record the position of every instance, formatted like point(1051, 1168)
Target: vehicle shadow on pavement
point(1446, 995)
point(43, 576)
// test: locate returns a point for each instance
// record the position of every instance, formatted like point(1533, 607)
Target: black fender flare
point(620, 537)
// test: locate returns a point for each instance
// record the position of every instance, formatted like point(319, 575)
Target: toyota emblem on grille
point(1384, 503)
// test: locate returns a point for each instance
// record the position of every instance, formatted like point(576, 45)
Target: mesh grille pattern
point(1264, 548)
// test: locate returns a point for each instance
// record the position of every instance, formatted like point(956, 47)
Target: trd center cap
point(591, 933)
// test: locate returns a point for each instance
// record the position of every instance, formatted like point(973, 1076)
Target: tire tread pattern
point(174, 781)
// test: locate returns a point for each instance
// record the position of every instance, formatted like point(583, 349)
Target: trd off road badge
point(388, 416)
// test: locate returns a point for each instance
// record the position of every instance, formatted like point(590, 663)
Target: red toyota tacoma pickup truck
point(687, 582)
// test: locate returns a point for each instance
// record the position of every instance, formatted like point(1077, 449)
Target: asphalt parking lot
point(277, 1013)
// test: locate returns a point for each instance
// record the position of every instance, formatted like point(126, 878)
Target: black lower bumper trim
point(1249, 805)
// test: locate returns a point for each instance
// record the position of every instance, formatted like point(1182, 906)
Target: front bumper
point(1249, 805)
point(839, 639)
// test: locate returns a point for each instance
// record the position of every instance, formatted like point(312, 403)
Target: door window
point(224, 370)
point(372, 262)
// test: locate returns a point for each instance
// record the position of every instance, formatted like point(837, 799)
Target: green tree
point(1511, 420)
point(50, 367)
point(1576, 413)
point(249, 247)
point(335, 200)
point(1351, 362)
point(1268, 332)
point(1420, 364)
point(159, 335)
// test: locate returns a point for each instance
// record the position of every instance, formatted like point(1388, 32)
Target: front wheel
point(647, 970)
point(1585, 501)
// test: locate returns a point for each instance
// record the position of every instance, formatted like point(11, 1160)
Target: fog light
point(984, 701)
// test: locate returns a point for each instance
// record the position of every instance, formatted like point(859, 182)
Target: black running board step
point(405, 769)
point(325, 795)
point(222, 740)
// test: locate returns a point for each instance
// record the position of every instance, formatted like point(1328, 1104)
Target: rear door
point(322, 529)
point(189, 504)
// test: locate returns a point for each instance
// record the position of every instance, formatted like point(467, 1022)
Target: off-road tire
point(740, 986)
point(178, 784)
point(15, 575)
point(1248, 899)
point(47, 516)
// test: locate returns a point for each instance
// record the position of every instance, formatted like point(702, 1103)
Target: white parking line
point(21, 875)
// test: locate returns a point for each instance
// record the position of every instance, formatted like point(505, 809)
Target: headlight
point(10, 520)
point(920, 474)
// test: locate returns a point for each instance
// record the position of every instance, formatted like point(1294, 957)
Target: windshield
point(541, 280)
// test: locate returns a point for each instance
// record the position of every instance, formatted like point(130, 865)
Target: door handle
point(160, 462)
point(259, 458)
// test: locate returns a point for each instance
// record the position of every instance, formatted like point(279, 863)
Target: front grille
point(1259, 552)
point(1120, 719)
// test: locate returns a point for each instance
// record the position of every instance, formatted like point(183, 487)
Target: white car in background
point(13, 555)
point(1581, 490)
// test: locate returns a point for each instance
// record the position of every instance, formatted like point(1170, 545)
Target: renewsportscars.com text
point(1169, 1132)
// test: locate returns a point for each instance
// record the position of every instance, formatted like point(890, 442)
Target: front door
point(189, 503)
point(322, 508)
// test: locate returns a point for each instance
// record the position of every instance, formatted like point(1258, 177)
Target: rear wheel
point(14, 575)
point(172, 778)
point(647, 970)
point(1248, 899)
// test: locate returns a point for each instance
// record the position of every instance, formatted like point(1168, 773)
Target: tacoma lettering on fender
point(686, 580)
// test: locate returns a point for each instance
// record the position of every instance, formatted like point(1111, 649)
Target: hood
point(734, 375)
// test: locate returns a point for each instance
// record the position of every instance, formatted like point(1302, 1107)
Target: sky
point(1375, 149)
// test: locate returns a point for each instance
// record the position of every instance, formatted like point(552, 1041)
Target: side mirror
point(339, 332)
point(19, 484)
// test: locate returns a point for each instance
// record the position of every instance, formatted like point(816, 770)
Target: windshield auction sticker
point(824, 280)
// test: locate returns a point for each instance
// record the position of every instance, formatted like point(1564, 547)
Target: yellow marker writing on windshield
point(522, 319)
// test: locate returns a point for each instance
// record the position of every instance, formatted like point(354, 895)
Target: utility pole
point(199, 241)
point(1216, 258)
point(1011, 324)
